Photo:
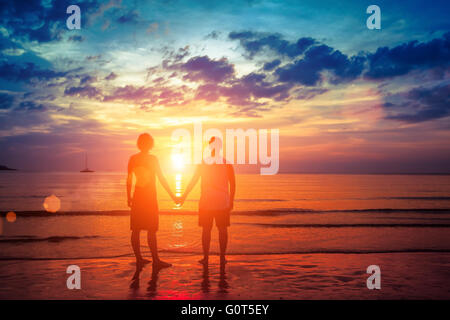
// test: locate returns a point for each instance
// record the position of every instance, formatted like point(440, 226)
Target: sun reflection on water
point(178, 177)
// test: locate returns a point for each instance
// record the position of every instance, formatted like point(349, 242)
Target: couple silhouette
point(216, 200)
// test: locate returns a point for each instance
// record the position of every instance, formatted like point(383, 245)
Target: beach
point(287, 241)
point(291, 276)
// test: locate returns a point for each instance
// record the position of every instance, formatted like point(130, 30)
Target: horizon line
point(253, 173)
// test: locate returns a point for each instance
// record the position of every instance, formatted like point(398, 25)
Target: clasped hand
point(179, 200)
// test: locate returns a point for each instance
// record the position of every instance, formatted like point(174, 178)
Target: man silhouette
point(216, 199)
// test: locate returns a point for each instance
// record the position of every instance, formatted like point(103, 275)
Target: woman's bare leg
point(152, 243)
point(136, 244)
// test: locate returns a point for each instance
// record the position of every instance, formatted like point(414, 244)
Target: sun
point(178, 161)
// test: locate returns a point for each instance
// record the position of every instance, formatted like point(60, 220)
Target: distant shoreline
point(5, 168)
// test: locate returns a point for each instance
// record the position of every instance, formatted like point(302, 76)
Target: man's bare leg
point(206, 242)
point(223, 242)
point(152, 243)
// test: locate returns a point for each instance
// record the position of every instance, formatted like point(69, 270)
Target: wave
point(348, 225)
point(265, 212)
point(261, 253)
point(419, 198)
point(285, 211)
point(258, 200)
point(28, 239)
point(435, 198)
point(26, 196)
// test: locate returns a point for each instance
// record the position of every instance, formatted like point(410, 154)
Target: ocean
point(299, 212)
point(285, 214)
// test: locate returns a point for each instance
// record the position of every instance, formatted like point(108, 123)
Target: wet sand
point(277, 276)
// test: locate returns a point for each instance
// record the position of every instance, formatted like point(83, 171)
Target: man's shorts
point(206, 217)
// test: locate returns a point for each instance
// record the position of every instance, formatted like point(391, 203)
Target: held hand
point(180, 200)
point(130, 202)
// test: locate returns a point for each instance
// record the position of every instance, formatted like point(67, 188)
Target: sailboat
point(86, 169)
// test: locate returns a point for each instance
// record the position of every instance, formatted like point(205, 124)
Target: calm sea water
point(292, 213)
point(319, 192)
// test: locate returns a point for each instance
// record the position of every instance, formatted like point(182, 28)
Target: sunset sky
point(346, 99)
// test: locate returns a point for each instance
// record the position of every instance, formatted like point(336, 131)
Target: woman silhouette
point(144, 204)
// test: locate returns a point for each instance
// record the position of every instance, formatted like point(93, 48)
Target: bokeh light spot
point(11, 216)
point(52, 204)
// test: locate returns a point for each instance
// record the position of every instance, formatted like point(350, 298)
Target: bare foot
point(144, 261)
point(137, 272)
point(136, 275)
point(203, 261)
point(134, 283)
point(161, 264)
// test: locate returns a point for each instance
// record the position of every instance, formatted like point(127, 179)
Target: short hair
point(145, 142)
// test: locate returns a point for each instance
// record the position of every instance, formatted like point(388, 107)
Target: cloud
point(255, 42)
point(132, 93)
point(23, 118)
point(307, 71)
point(76, 38)
point(111, 76)
point(400, 60)
point(175, 55)
point(306, 93)
point(153, 95)
point(87, 91)
point(7, 43)
point(6, 101)
point(88, 79)
point(269, 66)
point(129, 17)
point(203, 68)
point(421, 104)
point(28, 72)
point(245, 92)
point(31, 106)
point(38, 21)
point(309, 59)
point(213, 35)
point(93, 58)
